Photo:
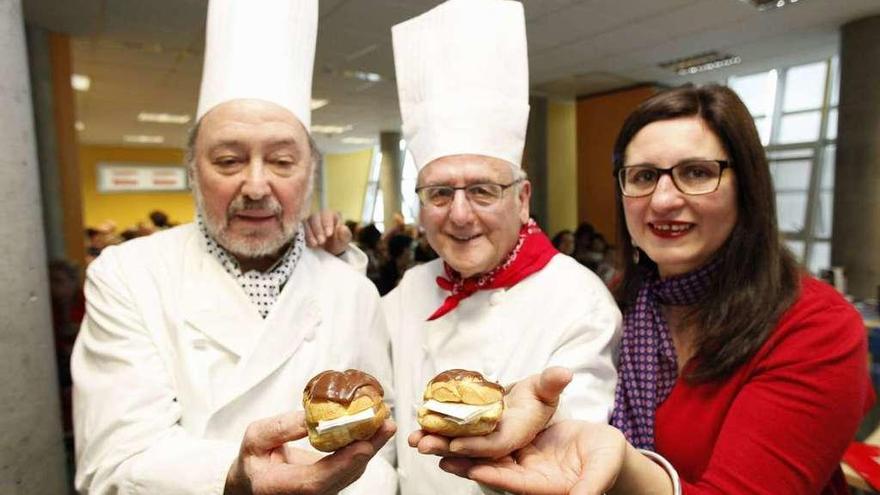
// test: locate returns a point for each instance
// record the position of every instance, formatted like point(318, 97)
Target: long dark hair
point(757, 278)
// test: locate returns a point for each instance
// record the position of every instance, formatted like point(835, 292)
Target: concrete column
point(31, 451)
point(535, 158)
point(57, 151)
point(856, 234)
point(390, 172)
point(40, 65)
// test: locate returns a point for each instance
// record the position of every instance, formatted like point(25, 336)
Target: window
point(374, 206)
point(409, 199)
point(795, 110)
point(374, 210)
point(758, 92)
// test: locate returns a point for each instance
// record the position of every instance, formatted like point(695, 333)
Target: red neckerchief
point(532, 252)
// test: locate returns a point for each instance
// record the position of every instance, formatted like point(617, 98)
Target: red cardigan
point(780, 424)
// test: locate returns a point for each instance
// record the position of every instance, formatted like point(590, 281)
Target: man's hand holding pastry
point(528, 407)
point(344, 414)
point(266, 466)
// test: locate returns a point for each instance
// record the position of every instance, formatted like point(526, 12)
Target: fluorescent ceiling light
point(80, 82)
point(362, 75)
point(701, 63)
point(317, 103)
point(79, 125)
point(163, 118)
point(357, 140)
point(331, 129)
point(143, 139)
point(765, 5)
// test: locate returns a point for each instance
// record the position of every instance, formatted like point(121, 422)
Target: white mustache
point(241, 203)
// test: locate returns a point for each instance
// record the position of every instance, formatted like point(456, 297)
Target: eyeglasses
point(692, 177)
point(482, 194)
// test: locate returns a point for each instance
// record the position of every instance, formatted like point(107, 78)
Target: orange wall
point(599, 119)
point(126, 209)
point(65, 140)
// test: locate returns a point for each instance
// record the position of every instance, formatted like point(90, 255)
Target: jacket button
point(309, 335)
point(200, 344)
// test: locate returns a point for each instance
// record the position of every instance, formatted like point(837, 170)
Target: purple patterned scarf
point(648, 367)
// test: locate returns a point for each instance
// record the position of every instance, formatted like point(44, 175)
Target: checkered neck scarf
point(262, 288)
point(648, 366)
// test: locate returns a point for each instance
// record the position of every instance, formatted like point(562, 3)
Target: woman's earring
point(635, 255)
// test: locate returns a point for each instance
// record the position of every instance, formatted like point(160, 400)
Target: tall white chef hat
point(463, 80)
point(260, 49)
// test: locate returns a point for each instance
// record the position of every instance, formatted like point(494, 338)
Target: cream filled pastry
point(342, 407)
point(461, 403)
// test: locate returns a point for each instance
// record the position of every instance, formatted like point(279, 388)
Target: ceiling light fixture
point(330, 129)
point(80, 82)
point(357, 140)
point(79, 125)
point(163, 118)
point(143, 139)
point(318, 103)
point(765, 5)
point(701, 63)
point(362, 75)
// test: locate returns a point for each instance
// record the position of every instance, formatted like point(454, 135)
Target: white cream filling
point(365, 415)
point(458, 413)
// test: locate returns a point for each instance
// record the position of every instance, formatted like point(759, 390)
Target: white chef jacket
point(173, 361)
point(560, 316)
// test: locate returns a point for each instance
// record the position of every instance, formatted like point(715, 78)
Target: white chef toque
point(260, 49)
point(463, 80)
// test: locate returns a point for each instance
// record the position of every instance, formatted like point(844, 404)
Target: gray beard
point(245, 246)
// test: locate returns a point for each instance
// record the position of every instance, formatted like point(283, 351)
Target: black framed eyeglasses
point(481, 194)
point(692, 177)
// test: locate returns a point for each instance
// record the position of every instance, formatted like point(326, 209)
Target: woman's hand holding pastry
point(570, 457)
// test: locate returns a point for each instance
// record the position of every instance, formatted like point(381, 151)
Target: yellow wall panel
point(562, 191)
point(345, 179)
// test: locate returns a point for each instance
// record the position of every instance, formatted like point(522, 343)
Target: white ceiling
point(146, 55)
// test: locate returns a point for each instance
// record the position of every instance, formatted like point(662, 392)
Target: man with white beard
point(199, 340)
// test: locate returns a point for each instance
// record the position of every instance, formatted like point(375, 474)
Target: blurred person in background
point(564, 242)
point(159, 219)
point(400, 259)
point(423, 251)
point(369, 241)
point(583, 243)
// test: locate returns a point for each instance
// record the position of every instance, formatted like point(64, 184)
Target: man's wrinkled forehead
point(467, 169)
point(245, 120)
point(251, 112)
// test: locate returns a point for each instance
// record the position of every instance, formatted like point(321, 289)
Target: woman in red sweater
point(738, 374)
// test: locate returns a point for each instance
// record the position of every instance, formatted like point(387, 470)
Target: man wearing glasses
point(501, 300)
